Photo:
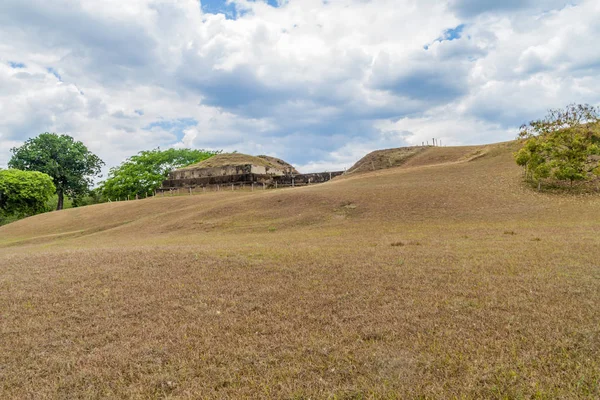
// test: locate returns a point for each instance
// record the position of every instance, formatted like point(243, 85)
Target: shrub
point(24, 193)
point(564, 146)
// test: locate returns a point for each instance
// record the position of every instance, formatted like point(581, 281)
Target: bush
point(24, 193)
point(563, 147)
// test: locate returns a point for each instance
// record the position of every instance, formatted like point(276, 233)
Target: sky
point(319, 83)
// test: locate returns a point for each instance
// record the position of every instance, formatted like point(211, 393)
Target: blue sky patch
point(175, 126)
point(448, 35)
point(228, 9)
point(454, 33)
point(16, 65)
point(55, 73)
point(219, 7)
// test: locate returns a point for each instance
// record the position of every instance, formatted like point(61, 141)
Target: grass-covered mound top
point(228, 159)
point(279, 163)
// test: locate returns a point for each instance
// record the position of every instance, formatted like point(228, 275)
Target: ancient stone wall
point(217, 180)
point(307, 179)
point(231, 170)
point(244, 174)
point(241, 178)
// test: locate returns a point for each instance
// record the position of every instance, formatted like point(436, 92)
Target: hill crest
point(415, 156)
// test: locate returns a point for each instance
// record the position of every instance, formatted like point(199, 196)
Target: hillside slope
point(394, 194)
point(419, 156)
point(444, 277)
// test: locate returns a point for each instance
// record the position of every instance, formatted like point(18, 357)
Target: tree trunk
point(61, 200)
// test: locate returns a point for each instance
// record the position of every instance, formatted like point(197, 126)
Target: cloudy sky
point(316, 82)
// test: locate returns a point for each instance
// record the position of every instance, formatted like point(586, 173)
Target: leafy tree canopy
point(143, 173)
point(564, 146)
point(70, 164)
point(24, 193)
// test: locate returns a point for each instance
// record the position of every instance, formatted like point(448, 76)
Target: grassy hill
point(443, 277)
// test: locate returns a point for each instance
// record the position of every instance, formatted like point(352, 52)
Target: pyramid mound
point(229, 159)
point(237, 159)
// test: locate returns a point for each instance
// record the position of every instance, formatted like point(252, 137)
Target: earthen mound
point(235, 159)
point(383, 159)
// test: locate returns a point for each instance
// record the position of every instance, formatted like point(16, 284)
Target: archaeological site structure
point(241, 169)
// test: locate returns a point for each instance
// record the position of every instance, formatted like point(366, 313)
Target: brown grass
point(384, 159)
point(306, 293)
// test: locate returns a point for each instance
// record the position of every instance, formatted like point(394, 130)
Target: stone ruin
point(241, 169)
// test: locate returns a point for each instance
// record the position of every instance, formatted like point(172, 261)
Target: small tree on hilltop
point(24, 193)
point(70, 164)
point(564, 146)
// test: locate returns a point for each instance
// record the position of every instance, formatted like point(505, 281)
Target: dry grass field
point(444, 278)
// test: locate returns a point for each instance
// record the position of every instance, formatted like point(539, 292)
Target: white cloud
point(317, 83)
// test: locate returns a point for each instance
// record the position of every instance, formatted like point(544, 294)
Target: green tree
point(70, 164)
point(143, 173)
point(24, 193)
point(564, 146)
